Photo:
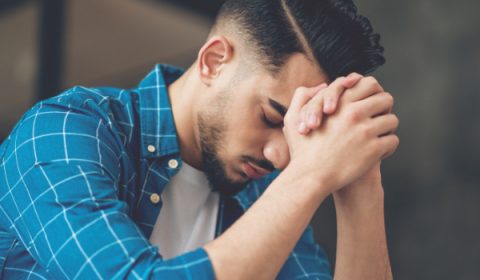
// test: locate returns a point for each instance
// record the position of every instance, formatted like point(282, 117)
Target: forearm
point(361, 240)
point(258, 244)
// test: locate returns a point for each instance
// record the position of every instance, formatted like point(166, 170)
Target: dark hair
point(329, 31)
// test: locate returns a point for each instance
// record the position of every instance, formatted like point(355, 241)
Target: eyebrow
point(281, 109)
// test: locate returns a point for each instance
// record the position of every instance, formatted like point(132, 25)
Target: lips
point(253, 171)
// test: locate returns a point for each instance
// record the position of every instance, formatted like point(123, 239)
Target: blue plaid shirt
point(80, 179)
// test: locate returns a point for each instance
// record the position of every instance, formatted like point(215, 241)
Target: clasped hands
point(339, 134)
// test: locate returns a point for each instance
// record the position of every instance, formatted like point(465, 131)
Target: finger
point(336, 88)
point(352, 79)
point(366, 87)
point(388, 144)
point(378, 104)
point(311, 114)
point(301, 96)
point(384, 125)
point(332, 97)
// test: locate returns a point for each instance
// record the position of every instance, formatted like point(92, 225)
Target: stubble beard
point(212, 136)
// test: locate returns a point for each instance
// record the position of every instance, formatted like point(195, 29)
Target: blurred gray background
point(433, 67)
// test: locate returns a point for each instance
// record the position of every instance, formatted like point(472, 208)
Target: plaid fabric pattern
point(77, 178)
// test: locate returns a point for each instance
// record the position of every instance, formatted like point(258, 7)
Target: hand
point(350, 142)
point(328, 99)
point(325, 101)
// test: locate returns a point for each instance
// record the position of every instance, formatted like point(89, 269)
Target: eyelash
point(270, 123)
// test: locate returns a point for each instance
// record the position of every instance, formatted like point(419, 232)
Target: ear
point(212, 57)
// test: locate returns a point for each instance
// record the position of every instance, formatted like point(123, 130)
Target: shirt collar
point(158, 133)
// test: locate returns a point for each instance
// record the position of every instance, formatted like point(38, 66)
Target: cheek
point(246, 136)
point(245, 132)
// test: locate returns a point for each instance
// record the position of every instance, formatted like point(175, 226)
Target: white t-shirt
point(188, 216)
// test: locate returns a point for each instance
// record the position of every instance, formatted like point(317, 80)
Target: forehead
point(298, 71)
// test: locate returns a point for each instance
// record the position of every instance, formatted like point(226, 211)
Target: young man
point(169, 180)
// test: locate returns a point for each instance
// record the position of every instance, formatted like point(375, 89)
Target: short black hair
point(329, 31)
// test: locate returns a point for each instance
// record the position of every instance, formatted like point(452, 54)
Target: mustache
point(263, 163)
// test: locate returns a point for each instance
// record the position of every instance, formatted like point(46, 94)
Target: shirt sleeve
point(58, 197)
point(307, 261)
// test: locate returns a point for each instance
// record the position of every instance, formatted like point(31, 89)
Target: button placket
point(155, 198)
point(173, 163)
point(151, 149)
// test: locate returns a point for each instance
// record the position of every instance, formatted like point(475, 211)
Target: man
point(169, 180)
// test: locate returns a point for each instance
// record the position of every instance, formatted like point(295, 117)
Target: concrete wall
point(432, 183)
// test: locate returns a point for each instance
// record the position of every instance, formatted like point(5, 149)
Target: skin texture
point(219, 84)
point(340, 155)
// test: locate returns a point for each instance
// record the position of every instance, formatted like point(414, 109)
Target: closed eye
point(270, 123)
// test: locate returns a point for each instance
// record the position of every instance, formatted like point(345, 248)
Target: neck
point(182, 98)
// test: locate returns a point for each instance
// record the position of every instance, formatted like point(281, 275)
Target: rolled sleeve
point(307, 261)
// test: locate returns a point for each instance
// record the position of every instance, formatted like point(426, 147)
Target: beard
point(212, 136)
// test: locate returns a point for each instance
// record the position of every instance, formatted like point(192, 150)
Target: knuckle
point(396, 141)
point(392, 145)
point(389, 98)
point(353, 115)
point(374, 88)
point(371, 80)
point(384, 148)
point(367, 131)
point(372, 84)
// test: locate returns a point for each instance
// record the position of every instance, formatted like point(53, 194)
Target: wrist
point(359, 199)
point(312, 184)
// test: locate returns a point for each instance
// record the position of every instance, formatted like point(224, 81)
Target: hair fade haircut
point(330, 32)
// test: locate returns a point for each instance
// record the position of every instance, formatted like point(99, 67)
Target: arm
point(337, 154)
point(257, 245)
point(58, 196)
point(361, 241)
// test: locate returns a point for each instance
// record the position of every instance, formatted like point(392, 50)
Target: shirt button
point(151, 148)
point(154, 198)
point(173, 163)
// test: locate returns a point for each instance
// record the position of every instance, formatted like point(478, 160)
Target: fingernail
point(312, 119)
point(302, 128)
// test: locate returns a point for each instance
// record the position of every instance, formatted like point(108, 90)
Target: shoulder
point(73, 124)
point(94, 100)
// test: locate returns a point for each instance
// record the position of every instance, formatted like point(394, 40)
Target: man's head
point(258, 53)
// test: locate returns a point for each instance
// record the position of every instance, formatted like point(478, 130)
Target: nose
point(276, 151)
